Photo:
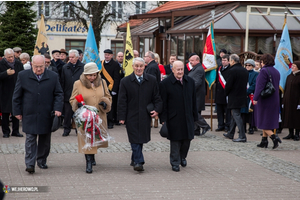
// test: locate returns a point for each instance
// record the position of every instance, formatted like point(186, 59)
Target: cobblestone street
point(217, 169)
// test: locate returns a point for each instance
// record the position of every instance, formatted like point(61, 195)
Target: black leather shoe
point(93, 160)
point(17, 135)
point(132, 163)
point(197, 132)
point(204, 130)
point(42, 166)
point(66, 134)
point(220, 129)
point(175, 168)
point(30, 169)
point(228, 136)
point(110, 126)
point(138, 167)
point(226, 129)
point(183, 162)
point(240, 140)
point(6, 135)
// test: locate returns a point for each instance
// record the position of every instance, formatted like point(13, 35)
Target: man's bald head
point(178, 69)
point(194, 60)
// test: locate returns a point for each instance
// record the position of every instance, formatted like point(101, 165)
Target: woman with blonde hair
point(95, 93)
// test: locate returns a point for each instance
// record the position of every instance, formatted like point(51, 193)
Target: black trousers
point(221, 111)
point(137, 153)
point(68, 117)
point(178, 151)
point(37, 150)
point(201, 123)
point(112, 115)
point(237, 120)
point(5, 124)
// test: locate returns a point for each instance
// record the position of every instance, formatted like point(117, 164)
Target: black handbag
point(164, 130)
point(55, 123)
point(269, 88)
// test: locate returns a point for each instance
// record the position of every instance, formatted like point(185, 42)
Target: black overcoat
point(179, 107)
point(291, 101)
point(132, 106)
point(198, 75)
point(68, 78)
point(168, 69)
point(113, 69)
point(220, 97)
point(236, 87)
point(59, 65)
point(7, 84)
point(153, 69)
point(35, 100)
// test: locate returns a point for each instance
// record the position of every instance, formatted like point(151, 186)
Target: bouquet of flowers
point(90, 125)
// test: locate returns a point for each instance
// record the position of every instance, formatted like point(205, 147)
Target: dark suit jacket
point(7, 84)
point(179, 107)
point(58, 64)
point(35, 100)
point(152, 68)
point(113, 69)
point(236, 87)
point(68, 77)
point(132, 106)
point(198, 75)
point(168, 69)
point(220, 97)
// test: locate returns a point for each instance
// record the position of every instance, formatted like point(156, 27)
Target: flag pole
point(211, 96)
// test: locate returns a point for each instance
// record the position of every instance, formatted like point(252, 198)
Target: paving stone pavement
point(217, 169)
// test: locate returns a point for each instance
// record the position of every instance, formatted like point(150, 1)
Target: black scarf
point(11, 64)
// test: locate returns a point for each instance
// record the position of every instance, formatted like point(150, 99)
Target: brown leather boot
point(156, 122)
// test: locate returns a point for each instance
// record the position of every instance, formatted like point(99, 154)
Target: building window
point(75, 44)
point(68, 9)
point(44, 8)
point(117, 9)
point(116, 47)
point(140, 7)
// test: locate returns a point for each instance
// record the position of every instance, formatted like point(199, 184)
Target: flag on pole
point(283, 58)
point(209, 62)
point(91, 53)
point(128, 53)
point(41, 46)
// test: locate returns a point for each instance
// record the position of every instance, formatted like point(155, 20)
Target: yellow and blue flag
point(283, 58)
point(91, 53)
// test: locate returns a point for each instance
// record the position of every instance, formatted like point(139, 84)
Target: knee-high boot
point(93, 160)
point(290, 135)
point(264, 142)
point(89, 166)
point(275, 140)
point(296, 138)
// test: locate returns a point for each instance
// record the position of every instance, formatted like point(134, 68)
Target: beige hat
point(90, 68)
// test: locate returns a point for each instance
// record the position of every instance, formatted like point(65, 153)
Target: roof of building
point(178, 5)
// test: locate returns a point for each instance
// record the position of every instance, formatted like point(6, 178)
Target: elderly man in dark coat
point(9, 69)
point(236, 90)
point(37, 94)
point(179, 112)
point(69, 74)
point(56, 61)
point(198, 75)
point(137, 92)
point(152, 67)
point(111, 74)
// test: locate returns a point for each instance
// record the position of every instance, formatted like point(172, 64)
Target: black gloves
point(102, 103)
point(79, 105)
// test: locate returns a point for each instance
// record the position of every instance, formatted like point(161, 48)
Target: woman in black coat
point(291, 103)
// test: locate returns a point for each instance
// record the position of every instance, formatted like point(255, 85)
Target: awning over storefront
point(232, 17)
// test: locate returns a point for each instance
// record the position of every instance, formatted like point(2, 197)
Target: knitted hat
point(251, 62)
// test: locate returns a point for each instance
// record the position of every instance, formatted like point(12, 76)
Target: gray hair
point(25, 56)
point(235, 58)
point(36, 56)
point(151, 54)
point(75, 52)
point(8, 51)
point(138, 59)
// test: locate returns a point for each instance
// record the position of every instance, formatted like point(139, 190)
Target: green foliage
point(17, 27)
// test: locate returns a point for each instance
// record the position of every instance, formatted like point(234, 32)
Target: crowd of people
point(173, 95)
